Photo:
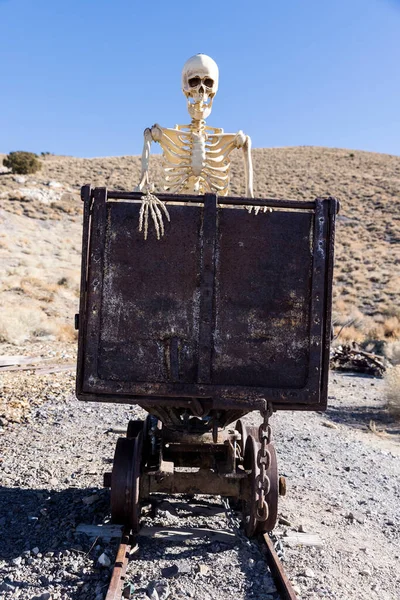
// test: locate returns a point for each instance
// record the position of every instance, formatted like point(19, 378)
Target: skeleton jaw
point(199, 110)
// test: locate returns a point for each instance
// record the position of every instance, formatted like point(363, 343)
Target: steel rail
point(117, 581)
point(282, 582)
point(115, 588)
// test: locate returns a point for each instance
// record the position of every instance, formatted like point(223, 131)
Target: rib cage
point(196, 159)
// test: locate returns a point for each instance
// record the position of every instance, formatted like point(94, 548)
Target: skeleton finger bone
point(265, 209)
point(152, 204)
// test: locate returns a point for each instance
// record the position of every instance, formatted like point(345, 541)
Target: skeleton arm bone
point(244, 141)
point(144, 177)
point(150, 203)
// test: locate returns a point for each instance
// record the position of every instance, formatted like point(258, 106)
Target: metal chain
point(263, 483)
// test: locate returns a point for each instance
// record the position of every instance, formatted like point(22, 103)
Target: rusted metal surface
point(203, 481)
point(207, 267)
point(116, 584)
point(228, 308)
point(282, 582)
point(125, 480)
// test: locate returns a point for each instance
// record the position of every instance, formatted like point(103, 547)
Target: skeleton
point(196, 156)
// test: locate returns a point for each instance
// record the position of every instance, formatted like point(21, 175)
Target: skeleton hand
point(152, 204)
point(258, 208)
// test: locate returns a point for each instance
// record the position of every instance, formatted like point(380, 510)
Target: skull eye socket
point(194, 81)
point(208, 82)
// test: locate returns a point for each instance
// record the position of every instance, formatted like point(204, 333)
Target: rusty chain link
point(263, 483)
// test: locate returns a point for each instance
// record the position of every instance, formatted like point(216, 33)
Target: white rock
point(366, 572)
point(158, 590)
point(104, 560)
point(89, 499)
point(297, 589)
point(19, 179)
point(54, 184)
point(43, 196)
point(309, 573)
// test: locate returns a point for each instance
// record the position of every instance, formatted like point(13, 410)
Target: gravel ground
point(343, 484)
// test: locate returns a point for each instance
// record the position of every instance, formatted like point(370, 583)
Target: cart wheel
point(134, 428)
point(251, 525)
point(125, 479)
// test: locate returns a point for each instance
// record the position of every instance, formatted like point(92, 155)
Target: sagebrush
point(22, 163)
point(392, 380)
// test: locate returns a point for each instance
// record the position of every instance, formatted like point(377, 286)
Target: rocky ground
point(343, 474)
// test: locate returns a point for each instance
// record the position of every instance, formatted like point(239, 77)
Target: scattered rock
point(54, 184)
point(330, 425)
point(158, 590)
point(170, 571)
point(104, 560)
point(366, 572)
point(309, 573)
point(127, 592)
point(297, 589)
point(356, 516)
point(185, 569)
point(164, 514)
point(89, 499)
point(204, 569)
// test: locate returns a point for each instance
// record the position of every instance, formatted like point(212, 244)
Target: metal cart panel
point(228, 306)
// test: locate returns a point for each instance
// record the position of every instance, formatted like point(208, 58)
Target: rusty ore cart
point(228, 313)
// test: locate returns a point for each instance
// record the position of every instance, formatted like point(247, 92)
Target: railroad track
point(119, 583)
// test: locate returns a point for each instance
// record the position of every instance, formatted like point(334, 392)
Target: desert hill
point(40, 233)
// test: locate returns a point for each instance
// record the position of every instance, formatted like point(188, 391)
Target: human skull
point(200, 84)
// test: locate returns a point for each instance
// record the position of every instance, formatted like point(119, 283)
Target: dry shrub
point(348, 325)
point(66, 332)
point(392, 352)
point(375, 332)
point(349, 315)
point(392, 381)
point(19, 324)
point(393, 310)
point(351, 334)
point(391, 327)
point(37, 289)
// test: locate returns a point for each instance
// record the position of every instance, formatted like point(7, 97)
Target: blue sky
point(85, 77)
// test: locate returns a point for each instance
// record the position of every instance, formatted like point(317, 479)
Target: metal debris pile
point(351, 358)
